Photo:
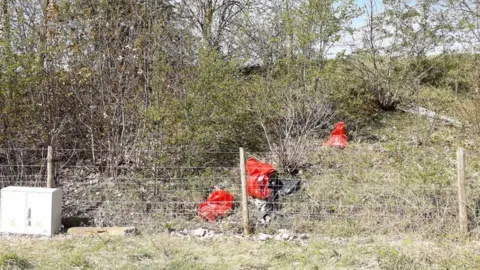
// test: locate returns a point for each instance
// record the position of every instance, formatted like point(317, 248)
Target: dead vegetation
point(383, 182)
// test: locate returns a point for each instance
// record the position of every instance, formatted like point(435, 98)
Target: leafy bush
point(212, 114)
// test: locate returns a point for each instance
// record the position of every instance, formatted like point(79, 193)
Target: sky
point(362, 3)
point(357, 23)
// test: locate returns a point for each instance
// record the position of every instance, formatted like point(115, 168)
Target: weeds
point(13, 261)
point(78, 260)
point(391, 258)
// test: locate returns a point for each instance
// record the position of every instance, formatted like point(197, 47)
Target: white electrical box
point(29, 210)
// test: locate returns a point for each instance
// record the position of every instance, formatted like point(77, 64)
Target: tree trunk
point(208, 24)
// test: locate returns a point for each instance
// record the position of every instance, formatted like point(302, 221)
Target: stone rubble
point(281, 235)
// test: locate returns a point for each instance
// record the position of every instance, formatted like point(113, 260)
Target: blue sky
point(379, 6)
point(357, 22)
point(362, 3)
point(367, 2)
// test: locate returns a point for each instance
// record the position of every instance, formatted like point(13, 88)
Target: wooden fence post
point(50, 167)
point(462, 200)
point(246, 219)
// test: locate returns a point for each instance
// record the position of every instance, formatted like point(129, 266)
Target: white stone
point(282, 236)
point(264, 237)
point(200, 232)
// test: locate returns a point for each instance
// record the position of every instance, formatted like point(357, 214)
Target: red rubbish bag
point(338, 137)
point(218, 204)
point(258, 176)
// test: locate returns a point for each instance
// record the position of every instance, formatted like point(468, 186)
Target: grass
point(397, 175)
point(169, 252)
point(13, 261)
point(387, 201)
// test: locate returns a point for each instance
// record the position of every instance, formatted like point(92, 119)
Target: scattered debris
point(265, 220)
point(264, 237)
point(338, 137)
point(218, 204)
point(181, 233)
point(259, 174)
point(284, 235)
point(260, 204)
point(289, 186)
point(281, 235)
point(200, 232)
point(303, 236)
point(266, 189)
point(214, 235)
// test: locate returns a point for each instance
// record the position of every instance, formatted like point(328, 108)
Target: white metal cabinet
point(12, 213)
point(31, 210)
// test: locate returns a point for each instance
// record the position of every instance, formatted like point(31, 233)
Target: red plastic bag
point(258, 176)
point(338, 137)
point(218, 204)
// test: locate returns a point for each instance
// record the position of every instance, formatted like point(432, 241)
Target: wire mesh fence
point(143, 188)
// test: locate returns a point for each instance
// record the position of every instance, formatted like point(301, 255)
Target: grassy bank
point(229, 252)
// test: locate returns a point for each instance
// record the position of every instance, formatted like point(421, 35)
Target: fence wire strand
point(150, 192)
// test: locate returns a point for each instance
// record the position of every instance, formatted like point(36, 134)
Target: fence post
point(50, 167)
point(462, 201)
point(246, 219)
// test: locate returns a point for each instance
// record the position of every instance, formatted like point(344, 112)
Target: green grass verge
point(227, 252)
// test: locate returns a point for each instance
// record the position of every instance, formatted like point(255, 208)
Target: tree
point(466, 19)
point(213, 19)
point(291, 40)
point(295, 29)
point(464, 16)
point(394, 44)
